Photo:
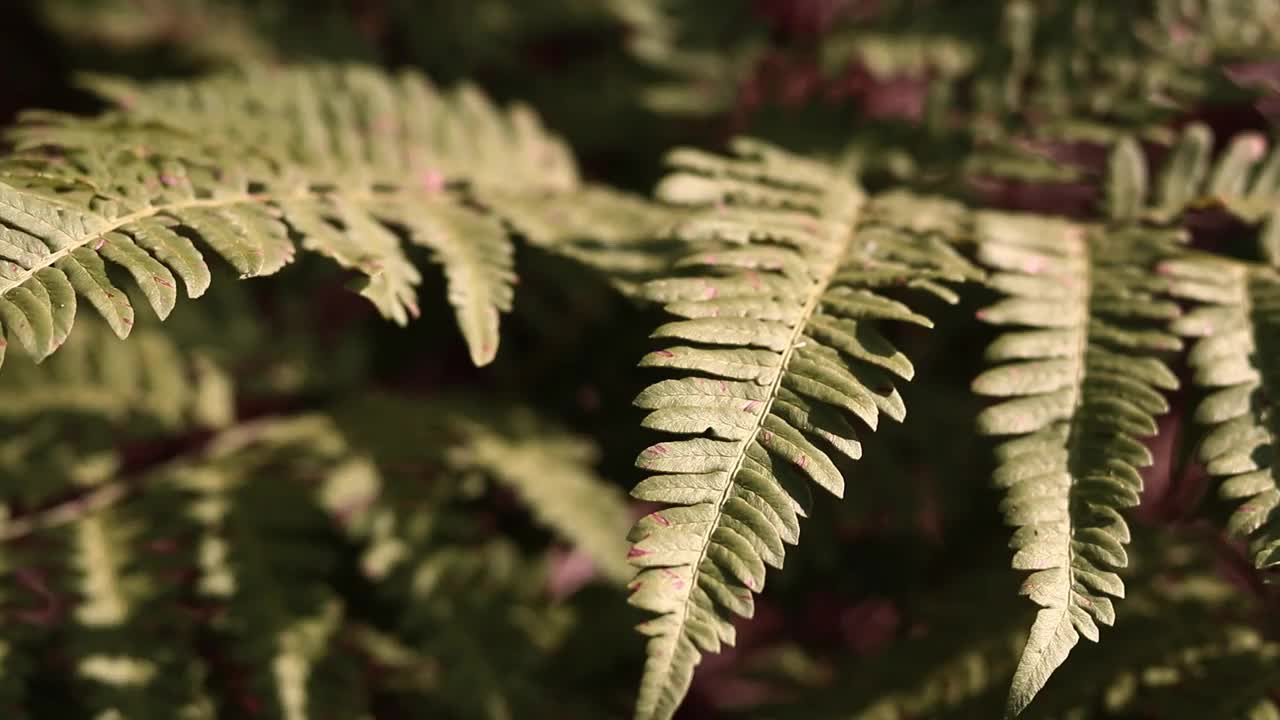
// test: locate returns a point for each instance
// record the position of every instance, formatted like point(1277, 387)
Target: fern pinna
point(779, 349)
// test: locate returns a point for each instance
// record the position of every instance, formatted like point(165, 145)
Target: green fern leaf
point(551, 472)
point(1080, 384)
point(1237, 321)
point(779, 346)
point(345, 159)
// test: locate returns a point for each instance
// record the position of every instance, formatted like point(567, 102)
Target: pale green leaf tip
point(482, 353)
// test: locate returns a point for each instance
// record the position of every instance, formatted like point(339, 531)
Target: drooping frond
point(1080, 381)
point(1237, 321)
point(344, 160)
point(778, 346)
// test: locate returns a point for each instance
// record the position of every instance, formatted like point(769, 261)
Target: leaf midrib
point(1073, 449)
point(149, 211)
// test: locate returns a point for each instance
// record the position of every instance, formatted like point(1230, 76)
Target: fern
point(344, 159)
point(1235, 321)
point(270, 506)
point(1244, 179)
point(572, 493)
point(780, 337)
point(1083, 378)
point(99, 376)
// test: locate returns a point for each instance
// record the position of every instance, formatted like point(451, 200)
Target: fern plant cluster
point(982, 302)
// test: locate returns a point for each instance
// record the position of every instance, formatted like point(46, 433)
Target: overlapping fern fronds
point(344, 160)
point(1082, 378)
point(237, 547)
point(778, 348)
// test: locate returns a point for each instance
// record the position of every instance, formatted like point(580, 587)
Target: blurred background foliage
point(442, 595)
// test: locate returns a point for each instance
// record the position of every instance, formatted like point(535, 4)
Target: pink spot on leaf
point(658, 518)
point(1255, 146)
point(636, 552)
point(665, 353)
point(162, 282)
point(168, 180)
point(432, 181)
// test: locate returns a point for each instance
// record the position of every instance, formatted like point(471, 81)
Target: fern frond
point(778, 345)
point(253, 528)
point(119, 614)
point(474, 614)
point(549, 469)
point(552, 475)
point(1082, 378)
point(1237, 323)
point(96, 374)
point(344, 159)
